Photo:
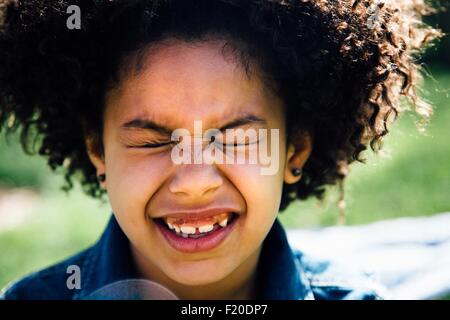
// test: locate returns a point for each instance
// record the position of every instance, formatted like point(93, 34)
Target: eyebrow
point(250, 119)
point(148, 124)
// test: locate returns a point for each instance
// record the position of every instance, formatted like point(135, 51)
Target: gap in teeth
point(186, 227)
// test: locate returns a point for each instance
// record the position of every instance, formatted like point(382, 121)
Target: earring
point(101, 177)
point(297, 172)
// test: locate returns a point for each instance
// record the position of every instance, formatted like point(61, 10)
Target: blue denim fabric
point(283, 273)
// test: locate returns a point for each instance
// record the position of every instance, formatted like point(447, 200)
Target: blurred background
point(40, 224)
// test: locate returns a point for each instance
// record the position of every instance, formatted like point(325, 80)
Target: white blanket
point(410, 256)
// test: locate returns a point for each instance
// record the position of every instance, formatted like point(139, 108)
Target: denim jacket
point(283, 273)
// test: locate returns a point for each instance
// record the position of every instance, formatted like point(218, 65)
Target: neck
point(239, 285)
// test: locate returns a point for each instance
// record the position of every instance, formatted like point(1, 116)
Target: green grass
point(59, 226)
point(18, 169)
point(414, 181)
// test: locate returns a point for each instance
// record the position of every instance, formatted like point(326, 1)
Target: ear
point(298, 153)
point(96, 155)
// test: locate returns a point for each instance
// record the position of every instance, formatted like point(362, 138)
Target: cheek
point(133, 179)
point(262, 194)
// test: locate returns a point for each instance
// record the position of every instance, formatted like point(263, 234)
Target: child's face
point(181, 83)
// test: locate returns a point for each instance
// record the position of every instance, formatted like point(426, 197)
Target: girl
point(321, 78)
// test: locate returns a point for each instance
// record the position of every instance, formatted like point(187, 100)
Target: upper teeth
point(187, 228)
point(223, 223)
point(206, 228)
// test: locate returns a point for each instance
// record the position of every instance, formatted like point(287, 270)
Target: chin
point(198, 273)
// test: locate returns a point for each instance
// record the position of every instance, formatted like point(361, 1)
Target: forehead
point(181, 82)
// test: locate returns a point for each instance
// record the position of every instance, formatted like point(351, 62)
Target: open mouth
point(197, 234)
point(197, 228)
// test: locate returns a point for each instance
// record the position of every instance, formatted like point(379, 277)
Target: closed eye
point(235, 144)
point(154, 144)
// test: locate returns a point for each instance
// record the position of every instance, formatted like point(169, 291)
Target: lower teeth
point(194, 236)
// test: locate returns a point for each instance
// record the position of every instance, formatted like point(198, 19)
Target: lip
point(192, 245)
point(198, 214)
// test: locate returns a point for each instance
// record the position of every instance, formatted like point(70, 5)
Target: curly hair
point(341, 68)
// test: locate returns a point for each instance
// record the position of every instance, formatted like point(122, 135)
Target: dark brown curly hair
point(340, 67)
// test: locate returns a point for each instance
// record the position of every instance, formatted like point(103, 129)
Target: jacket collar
point(280, 275)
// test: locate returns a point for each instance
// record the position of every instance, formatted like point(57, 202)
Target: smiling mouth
point(197, 228)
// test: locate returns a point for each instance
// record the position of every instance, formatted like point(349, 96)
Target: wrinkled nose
point(195, 180)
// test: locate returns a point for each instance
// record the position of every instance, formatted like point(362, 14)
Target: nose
point(195, 180)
